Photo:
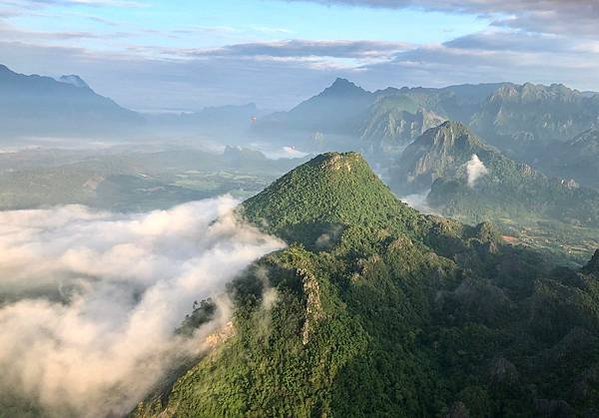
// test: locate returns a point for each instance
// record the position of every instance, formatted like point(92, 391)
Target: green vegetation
point(550, 214)
point(202, 313)
point(441, 152)
point(132, 181)
point(392, 123)
point(331, 192)
point(399, 315)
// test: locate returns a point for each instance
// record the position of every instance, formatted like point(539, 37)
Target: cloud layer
point(302, 48)
point(547, 16)
point(91, 299)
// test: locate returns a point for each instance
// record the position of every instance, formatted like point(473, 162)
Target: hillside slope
point(471, 179)
point(578, 159)
point(393, 122)
point(399, 314)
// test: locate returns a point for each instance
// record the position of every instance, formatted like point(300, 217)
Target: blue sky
point(227, 21)
point(157, 54)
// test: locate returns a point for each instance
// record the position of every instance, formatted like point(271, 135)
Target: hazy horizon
point(153, 55)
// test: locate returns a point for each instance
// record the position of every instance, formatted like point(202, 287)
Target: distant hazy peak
point(74, 80)
point(449, 133)
point(233, 152)
point(5, 69)
point(344, 87)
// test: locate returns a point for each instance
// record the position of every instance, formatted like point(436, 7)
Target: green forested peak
point(332, 189)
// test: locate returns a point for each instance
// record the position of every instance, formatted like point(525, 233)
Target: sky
point(158, 55)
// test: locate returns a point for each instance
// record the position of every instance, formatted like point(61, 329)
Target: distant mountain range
point(517, 118)
point(521, 120)
point(381, 121)
point(218, 120)
point(33, 105)
point(36, 105)
point(552, 128)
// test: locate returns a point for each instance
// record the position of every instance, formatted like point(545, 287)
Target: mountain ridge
point(39, 105)
point(529, 116)
point(468, 178)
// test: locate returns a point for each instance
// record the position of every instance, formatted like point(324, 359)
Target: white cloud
point(475, 169)
point(115, 288)
point(547, 16)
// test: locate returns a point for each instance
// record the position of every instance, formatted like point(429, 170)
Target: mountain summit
point(439, 152)
point(333, 189)
point(74, 80)
point(342, 87)
point(337, 109)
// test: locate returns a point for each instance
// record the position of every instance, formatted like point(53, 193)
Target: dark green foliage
point(202, 313)
point(401, 315)
point(332, 189)
point(593, 266)
point(515, 190)
point(440, 152)
point(553, 215)
point(438, 160)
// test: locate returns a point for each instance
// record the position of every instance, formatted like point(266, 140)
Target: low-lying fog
point(90, 300)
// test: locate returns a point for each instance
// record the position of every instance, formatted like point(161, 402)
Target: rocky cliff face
point(439, 152)
point(393, 123)
point(532, 113)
